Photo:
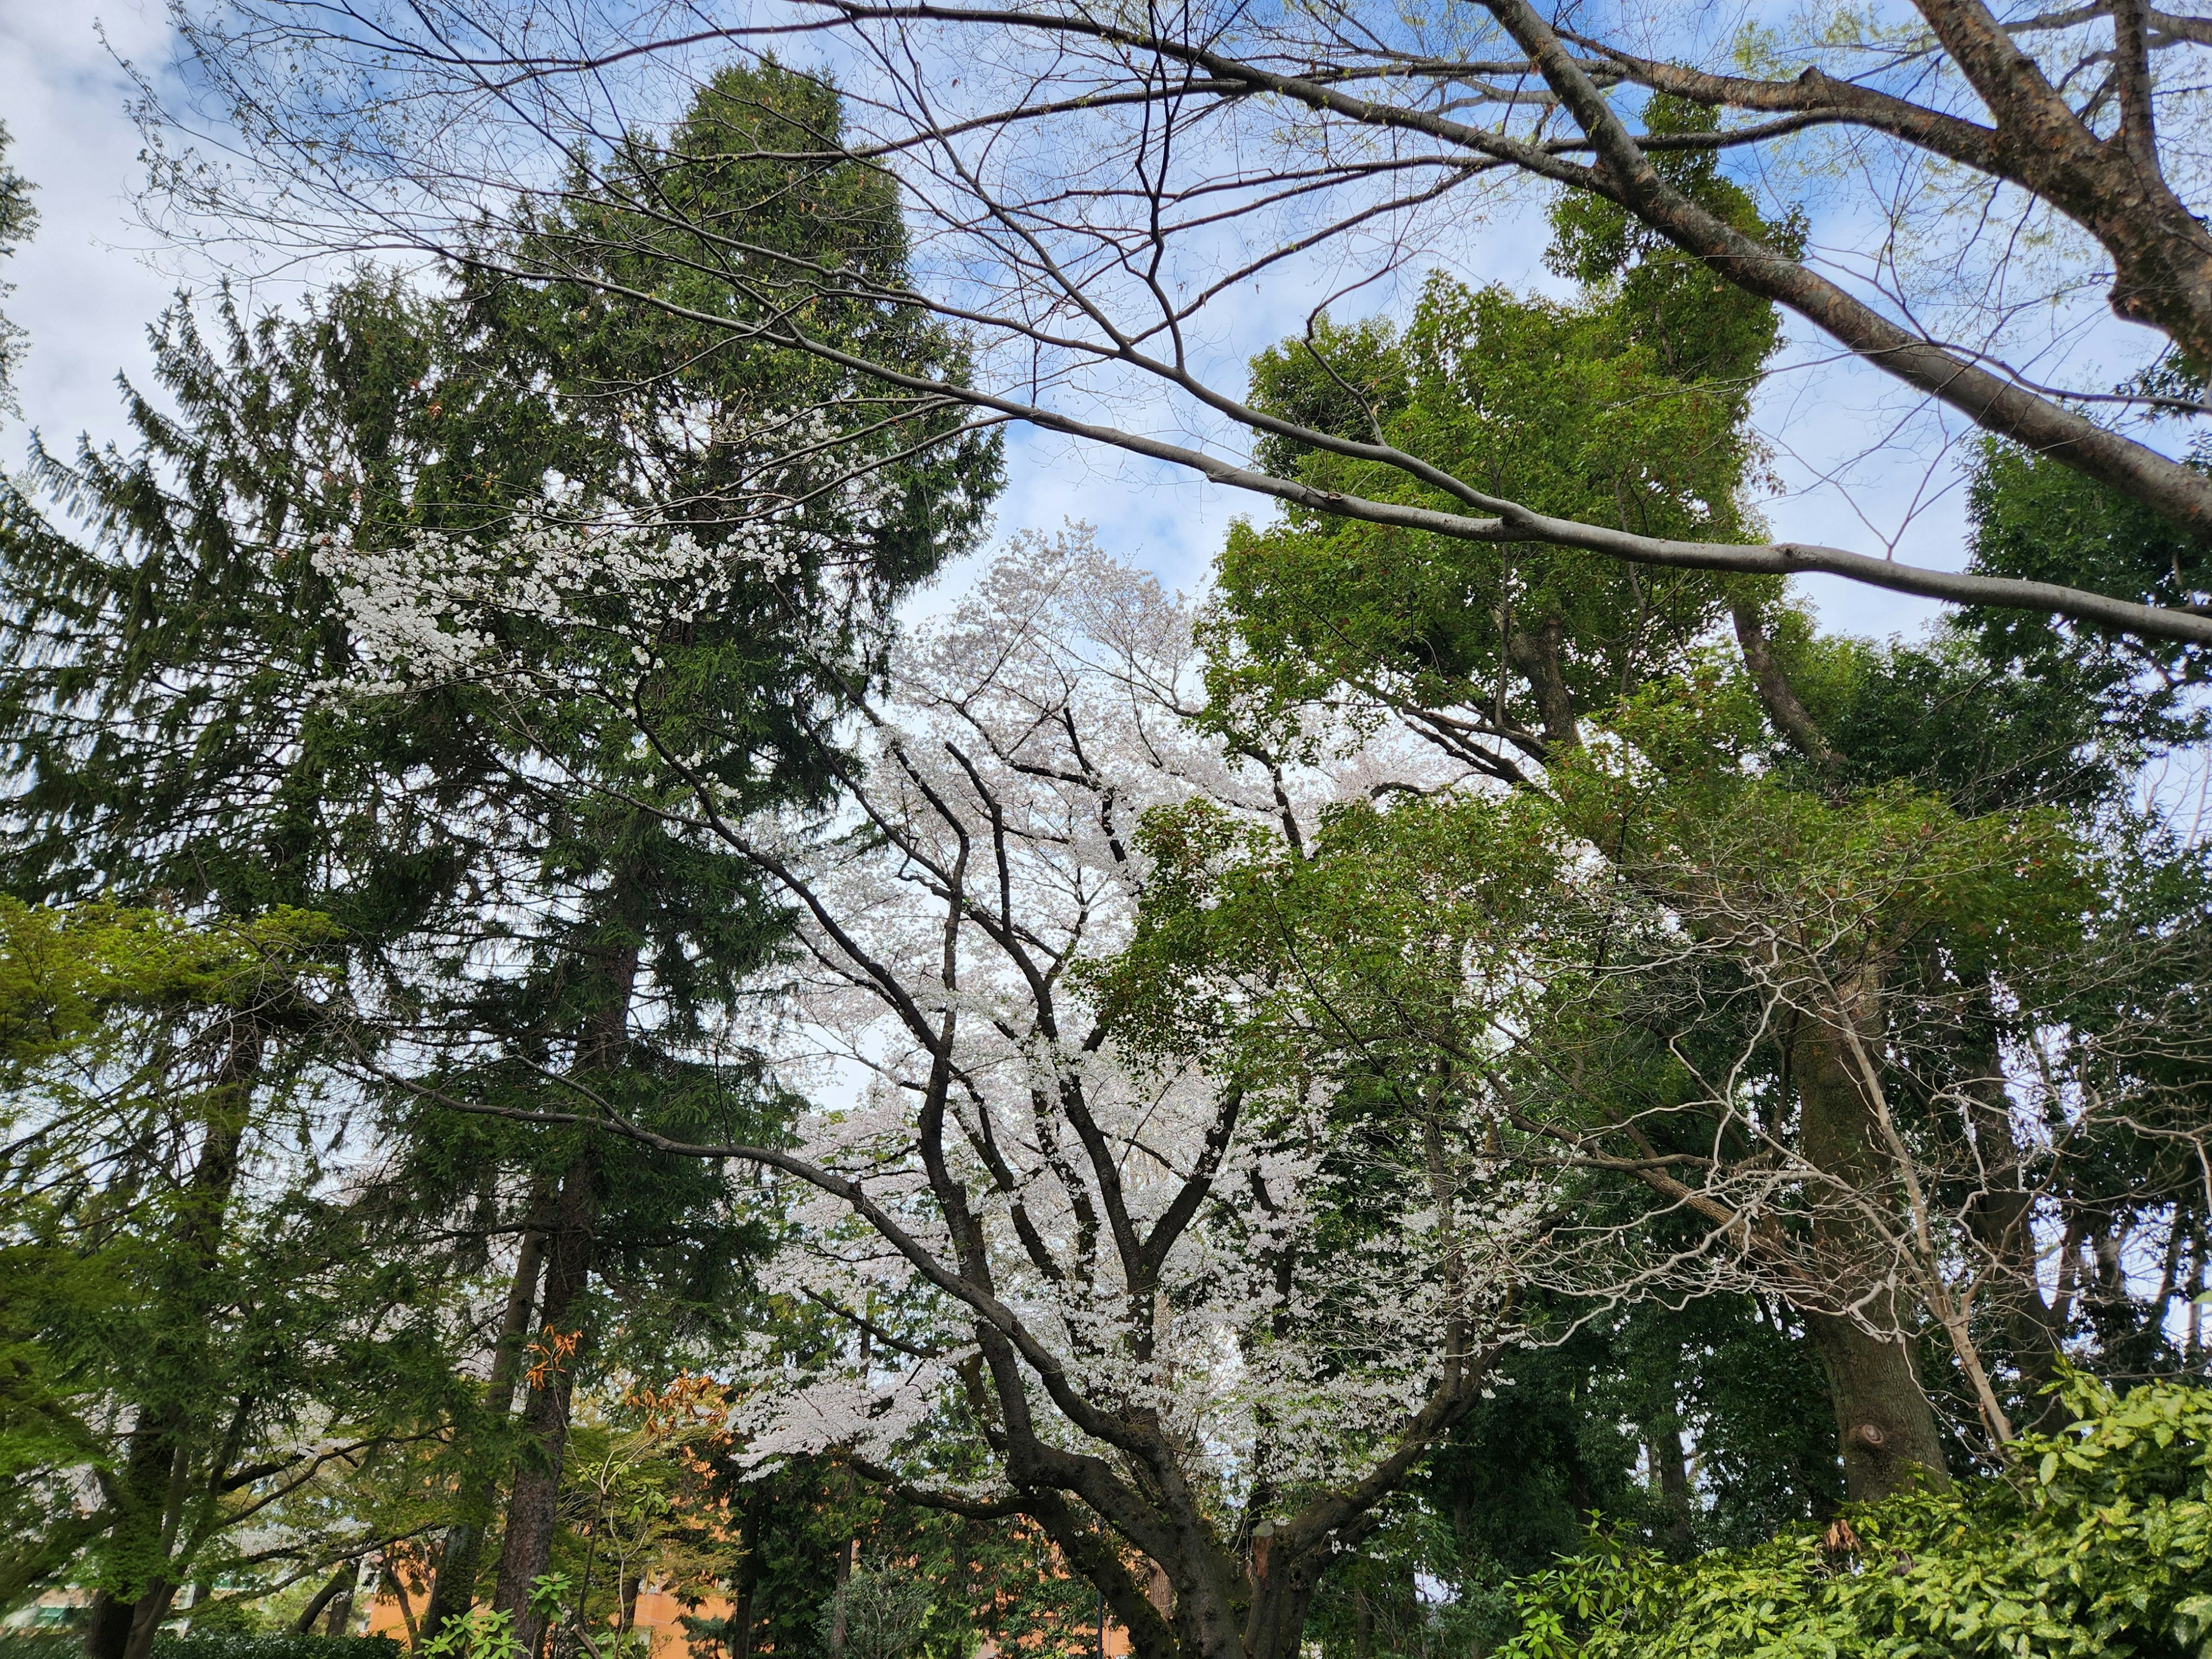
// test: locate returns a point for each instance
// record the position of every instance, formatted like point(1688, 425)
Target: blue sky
point(92, 278)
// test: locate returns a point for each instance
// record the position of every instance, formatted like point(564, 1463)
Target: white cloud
point(85, 287)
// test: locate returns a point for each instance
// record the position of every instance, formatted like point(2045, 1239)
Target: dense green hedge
point(211, 1644)
point(280, 1644)
point(2096, 1544)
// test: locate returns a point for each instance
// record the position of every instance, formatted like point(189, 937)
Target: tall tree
point(167, 740)
point(718, 463)
point(200, 1347)
point(1506, 663)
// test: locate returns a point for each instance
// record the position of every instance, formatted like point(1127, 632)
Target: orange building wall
point(659, 1614)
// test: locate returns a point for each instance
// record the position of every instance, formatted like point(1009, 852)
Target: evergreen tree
point(1507, 659)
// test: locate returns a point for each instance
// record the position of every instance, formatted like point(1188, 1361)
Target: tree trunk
point(526, 1551)
point(1672, 1467)
point(837, 1621)
point(340, 1586)
point(127, 1612)
point(454, 1590)
point(1999, 1214)
point(532, 1506)
point(1537, 654)
point(341, 1612)
point(1282, 1591)
point(1886, 1430)
point(743, 1582)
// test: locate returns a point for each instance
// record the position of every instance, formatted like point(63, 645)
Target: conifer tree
point(513, 905)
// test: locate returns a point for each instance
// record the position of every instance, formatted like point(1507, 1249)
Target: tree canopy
point(1484, 1082)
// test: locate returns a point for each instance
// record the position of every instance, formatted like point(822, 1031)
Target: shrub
point(2095, 1541)
point(272, 1644)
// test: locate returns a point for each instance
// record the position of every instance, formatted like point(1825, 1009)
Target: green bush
point(272, 1644)
point(2097, 1542)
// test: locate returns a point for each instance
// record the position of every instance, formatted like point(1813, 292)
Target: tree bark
point(1537, 654)
point(454, 1590)
point(1670, 1471)
point(837, 1618)
point(341, 1609)
point(1778, 696)
point(2000, 1215)
point(526, 1551)
point(744, 1581)
point(1886, 1430)
point(532, 1506)
point(340, 1585)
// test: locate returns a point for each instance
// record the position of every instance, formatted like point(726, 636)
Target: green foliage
point(1886, 869)
point(164, 719)
point(2036, 519)
point(978, 1580)
point(117, 1278)
point(272, 1644)
point(1626, 405)
point(743, 214)
point(1938, 715)
point(479, 1634)
point(73, 978)
point(2097, 1540)
point(1365, 930)
point(882, 1606)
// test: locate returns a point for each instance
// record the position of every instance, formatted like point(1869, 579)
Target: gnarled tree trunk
point(1885, 1428)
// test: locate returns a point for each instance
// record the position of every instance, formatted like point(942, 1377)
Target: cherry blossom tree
point(1195, 1314)
point(1200, 1116)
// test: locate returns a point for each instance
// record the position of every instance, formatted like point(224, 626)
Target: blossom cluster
point(1026, 736)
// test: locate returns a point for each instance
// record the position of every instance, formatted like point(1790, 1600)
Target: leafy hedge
point(275, 1644)
point(2095, 1544)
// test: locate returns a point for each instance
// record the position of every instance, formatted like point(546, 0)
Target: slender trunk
point(837, 1626)
point(533, 1505)
point(340, 1616)
point(1886, 1430)
point(1363, 1624)
point(340, 1583)
point(1671, 1465)
point(454, 1590)
point(526, 1551)
point(128, 1610)
point(2000, 1216)
point(1788, 714)
point(2192, 1348)
point(744, 1581)
point(397, 1580)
